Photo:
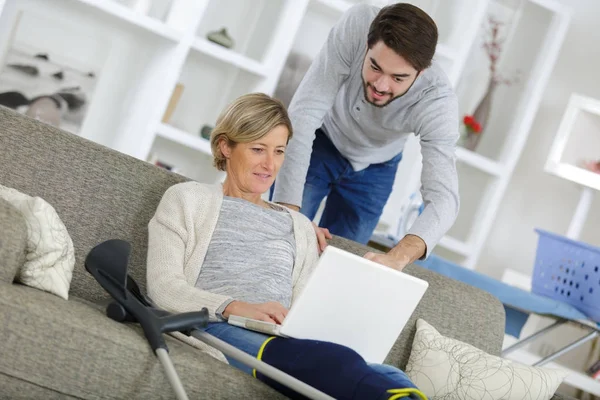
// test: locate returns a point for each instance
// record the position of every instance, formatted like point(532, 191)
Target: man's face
point(386, 75)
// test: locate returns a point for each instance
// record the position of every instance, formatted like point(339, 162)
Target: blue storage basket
point(568, 271)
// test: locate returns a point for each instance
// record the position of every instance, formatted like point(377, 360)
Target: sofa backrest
point(98, 193)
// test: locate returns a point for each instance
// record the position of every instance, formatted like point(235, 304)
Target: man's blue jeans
point(355, 199)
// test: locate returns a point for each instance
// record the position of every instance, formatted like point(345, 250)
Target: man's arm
point(315, 97)
point(438, 131)
point(439, 179)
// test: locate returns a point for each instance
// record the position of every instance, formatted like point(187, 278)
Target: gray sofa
point(54, 349)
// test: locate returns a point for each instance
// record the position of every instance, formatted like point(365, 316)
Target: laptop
point(351, 301)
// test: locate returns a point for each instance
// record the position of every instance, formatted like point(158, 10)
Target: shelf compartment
point(230, 57)
point(125, 14)
point(209, 85)
point(336, 6)
point(476, 187)
point(188, 161)
point(183, 138)
point(251, 24)
point(530, 35)
point(446, 52)
point(577, 140)
point(314, 29)
point(480, 162)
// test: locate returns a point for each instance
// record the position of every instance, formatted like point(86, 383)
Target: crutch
point(108, 261)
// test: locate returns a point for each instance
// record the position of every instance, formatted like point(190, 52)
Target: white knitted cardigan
point(178, 239)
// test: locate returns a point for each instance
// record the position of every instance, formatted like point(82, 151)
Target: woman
point(225, 248)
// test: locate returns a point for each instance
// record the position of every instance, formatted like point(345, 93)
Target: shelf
point(575, 379)
point(479, 162)
point(183, 138)
point(230, 57)
point(340, 6)
point(446, 52)
point(575, 174)
point(455, 245)
point(576, 141)
point(129, 16)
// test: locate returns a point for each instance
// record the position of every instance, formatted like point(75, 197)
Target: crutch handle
point(155, 322)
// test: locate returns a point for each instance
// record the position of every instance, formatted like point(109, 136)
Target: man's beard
point(366, 92)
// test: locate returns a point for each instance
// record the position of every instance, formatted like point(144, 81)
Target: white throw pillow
point(445, 368)
point(50, 257)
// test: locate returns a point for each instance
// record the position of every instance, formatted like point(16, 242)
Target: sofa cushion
point(13, 241)
point(71, 347)
point(50, 259)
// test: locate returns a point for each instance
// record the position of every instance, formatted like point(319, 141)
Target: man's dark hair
point(407, 30)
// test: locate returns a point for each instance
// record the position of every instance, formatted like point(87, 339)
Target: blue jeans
point(355, 199)
point(250, 342)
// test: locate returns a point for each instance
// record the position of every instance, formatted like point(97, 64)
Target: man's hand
point(322, 236)
point(396, 262)
point(268, 312)
point(409, 249)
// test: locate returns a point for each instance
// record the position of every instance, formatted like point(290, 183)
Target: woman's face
point(252, 167)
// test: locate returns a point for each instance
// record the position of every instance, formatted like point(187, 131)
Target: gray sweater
point(251, 255)
point(331, 95)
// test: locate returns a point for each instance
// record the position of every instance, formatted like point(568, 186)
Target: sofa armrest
point(13, 241)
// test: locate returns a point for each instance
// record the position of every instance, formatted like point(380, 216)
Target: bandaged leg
point(336, 370)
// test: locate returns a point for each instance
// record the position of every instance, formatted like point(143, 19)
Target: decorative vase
point(481, 115)
point(221, 37)
point(206, 131)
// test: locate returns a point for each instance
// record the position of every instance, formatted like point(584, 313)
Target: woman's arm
point(168, 237)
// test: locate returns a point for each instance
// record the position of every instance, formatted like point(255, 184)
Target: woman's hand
point(268, 312)
point(322, 236)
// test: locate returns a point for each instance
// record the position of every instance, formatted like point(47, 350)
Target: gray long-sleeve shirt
point(331, 95)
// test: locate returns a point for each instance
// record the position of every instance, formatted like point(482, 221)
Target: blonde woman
point(225, 248)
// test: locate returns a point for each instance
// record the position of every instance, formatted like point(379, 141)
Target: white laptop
point(351, 301)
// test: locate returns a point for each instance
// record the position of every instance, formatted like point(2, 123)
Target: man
point(371, 86)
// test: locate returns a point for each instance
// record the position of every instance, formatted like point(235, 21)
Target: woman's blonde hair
point(248, 118)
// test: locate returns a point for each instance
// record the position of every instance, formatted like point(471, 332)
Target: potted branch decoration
point(493, 48)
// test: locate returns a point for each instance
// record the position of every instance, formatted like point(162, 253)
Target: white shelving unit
point(169, 46)
point(148, 55)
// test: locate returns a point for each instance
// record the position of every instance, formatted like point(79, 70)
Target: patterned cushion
point(445, 368)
